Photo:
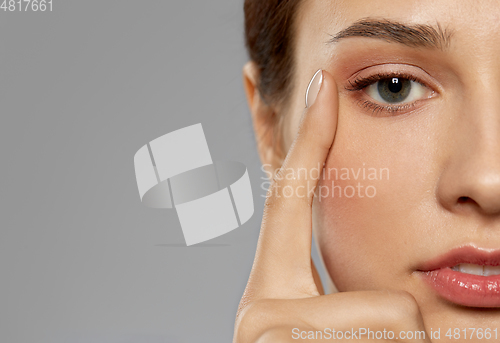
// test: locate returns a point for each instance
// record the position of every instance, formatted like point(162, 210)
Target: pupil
point(395, 85)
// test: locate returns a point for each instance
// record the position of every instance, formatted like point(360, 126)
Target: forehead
point(338, 13)
point(474, 23)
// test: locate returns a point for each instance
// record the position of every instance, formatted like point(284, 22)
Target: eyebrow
point(417, 35)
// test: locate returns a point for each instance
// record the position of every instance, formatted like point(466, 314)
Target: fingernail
point(313, 88)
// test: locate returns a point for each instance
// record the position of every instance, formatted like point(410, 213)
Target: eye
point(394, 90)
point(391, 92)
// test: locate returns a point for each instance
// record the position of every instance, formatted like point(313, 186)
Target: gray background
point(82, 89)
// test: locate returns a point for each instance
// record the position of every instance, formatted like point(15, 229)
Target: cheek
point(370, 203)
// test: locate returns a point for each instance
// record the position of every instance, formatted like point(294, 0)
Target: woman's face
point(414, 171)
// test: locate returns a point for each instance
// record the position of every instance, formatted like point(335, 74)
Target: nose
point(470, 179)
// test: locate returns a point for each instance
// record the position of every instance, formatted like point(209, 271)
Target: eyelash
point(363, 82)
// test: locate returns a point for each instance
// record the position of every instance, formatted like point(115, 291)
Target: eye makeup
point(370, 85)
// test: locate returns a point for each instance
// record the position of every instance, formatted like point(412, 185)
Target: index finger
point(283, 255)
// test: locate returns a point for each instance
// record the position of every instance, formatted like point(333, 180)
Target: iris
point(394, 89)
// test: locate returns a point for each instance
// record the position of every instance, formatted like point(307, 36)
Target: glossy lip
point(460, 288)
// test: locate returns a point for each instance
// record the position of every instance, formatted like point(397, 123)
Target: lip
point(460, 288)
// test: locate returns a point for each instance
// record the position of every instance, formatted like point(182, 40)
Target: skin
point(442, 150)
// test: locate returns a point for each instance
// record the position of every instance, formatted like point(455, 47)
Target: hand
point(282, 299)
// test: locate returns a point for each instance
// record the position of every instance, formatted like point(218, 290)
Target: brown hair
point(269, 32)
point(268, 39)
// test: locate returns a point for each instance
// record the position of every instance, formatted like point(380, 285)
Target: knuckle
point(279, 334)
point(252, 320)
point(401, 307)
point(407, 304)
